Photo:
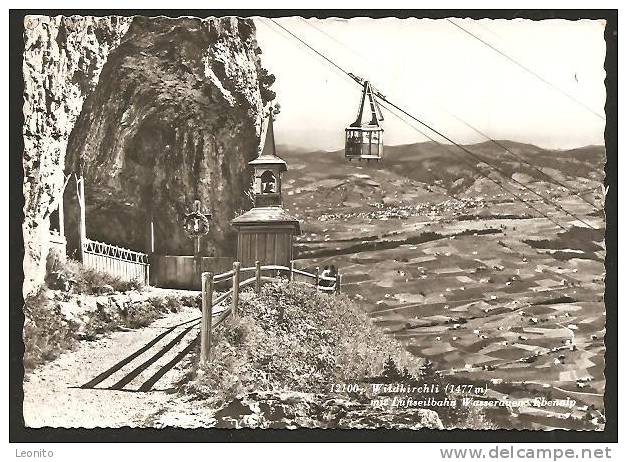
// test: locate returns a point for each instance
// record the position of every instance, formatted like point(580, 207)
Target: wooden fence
point(126, 264)
point(237, 283)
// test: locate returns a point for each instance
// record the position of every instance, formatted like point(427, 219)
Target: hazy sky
point(432, 69)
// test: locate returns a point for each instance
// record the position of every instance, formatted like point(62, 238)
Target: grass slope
point(297, 357)
point(291, 337)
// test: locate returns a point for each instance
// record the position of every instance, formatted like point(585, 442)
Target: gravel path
point(52, 397)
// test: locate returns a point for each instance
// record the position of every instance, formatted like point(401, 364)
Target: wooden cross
point(197, 225)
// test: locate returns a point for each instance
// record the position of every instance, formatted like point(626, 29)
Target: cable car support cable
point(384, 98)
point(524, 201)
point(527, 69)
point(484, 135)
point(480, 159)
point(525, 161)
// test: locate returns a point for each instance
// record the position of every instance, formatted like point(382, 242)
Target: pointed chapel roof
point(369, 113)
point(268, 153)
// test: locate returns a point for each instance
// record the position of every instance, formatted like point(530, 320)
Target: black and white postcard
point(310, 221)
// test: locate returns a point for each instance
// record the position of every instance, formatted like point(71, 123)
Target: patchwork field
point(465, 275)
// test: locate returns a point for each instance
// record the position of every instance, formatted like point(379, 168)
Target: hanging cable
point(487, 137)
point(524, 201)
point(314, 50)
point(525, 161)
point(480, 159)
point(334, 39)
point(338, 70)
point(527, 69)
point(467, 151)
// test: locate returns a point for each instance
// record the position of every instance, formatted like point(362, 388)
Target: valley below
point(468, 276)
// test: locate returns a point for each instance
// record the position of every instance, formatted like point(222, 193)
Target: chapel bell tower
point(268, 169)
point(265, 232)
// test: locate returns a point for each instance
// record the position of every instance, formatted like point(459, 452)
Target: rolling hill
point(446, 165)
point(464, 273)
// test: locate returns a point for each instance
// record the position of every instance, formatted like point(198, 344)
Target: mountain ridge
point(456, 170)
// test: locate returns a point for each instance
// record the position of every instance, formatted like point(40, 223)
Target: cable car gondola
point(364, 137)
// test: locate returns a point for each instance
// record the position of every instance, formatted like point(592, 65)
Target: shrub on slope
point(48, 331)
point(73, 276)
point(291, 337)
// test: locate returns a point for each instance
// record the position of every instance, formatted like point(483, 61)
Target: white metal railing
point(117, 261)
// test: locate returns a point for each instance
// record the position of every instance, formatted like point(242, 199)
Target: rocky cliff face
point(292, 410)
point(175, 117)
point(63, 58)
point(156, 112)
